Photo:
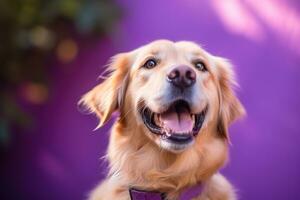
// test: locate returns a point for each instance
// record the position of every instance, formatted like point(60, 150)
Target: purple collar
point(187, 194)
point(136, 194)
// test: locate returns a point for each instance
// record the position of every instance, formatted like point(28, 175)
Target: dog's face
point(173, 90)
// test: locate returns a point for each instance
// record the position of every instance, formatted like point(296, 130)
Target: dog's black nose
point(182, 76)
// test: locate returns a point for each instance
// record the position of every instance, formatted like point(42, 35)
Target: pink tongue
point(178, 122)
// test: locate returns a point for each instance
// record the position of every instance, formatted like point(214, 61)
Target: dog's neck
point(138, 162)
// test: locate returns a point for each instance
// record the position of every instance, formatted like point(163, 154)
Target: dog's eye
point(200, 66)
point(150, 63)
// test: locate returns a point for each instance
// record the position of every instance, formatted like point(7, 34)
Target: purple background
point(60, 157)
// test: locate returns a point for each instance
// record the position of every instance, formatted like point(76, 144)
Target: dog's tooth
point(156, 119)
point(164, 135)
point(168, 133)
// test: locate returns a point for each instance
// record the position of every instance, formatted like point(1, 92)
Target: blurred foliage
point(32, 30)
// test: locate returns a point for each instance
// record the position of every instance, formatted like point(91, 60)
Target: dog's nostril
point(174, 74)
point(190, 75)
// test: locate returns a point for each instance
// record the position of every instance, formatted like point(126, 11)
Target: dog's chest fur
point(136, 162)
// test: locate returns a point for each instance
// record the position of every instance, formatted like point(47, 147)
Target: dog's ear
point(230, 107)
point(108, 96)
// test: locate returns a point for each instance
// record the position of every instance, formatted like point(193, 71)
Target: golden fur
point(134, 154)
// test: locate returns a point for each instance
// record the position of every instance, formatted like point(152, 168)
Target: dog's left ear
point(108, 96)
point(230, 107)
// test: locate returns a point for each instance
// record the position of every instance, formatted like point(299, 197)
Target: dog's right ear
point(108, 96)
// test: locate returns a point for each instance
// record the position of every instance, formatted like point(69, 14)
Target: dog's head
point(173, 90)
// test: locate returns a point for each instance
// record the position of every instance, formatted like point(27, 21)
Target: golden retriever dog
point(175, 103)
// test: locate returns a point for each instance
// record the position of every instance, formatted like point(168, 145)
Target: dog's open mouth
point(177, 124)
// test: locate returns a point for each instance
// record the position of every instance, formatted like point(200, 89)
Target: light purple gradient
point(61, 158)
